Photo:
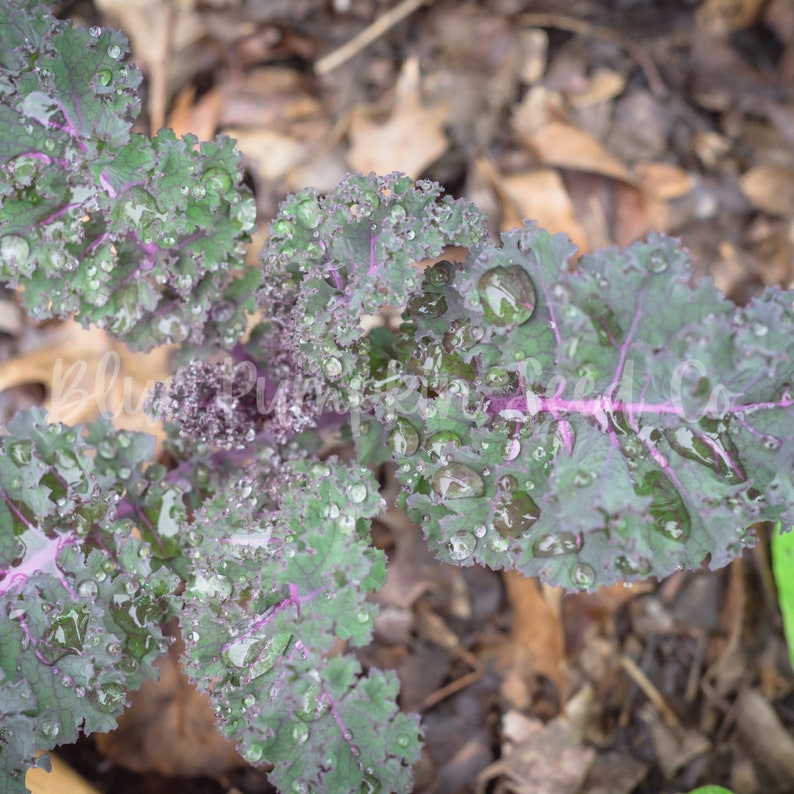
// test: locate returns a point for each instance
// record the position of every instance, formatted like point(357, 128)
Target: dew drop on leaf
point(656, 264)
point(217, 179)
point(282, 228)
point(428, 305)
point(300, 733)
point(439, 440)
point(673, 530)
point(50, 729)
point(457, 481)
point(87, 589)
point(758, 329)
point(104, 76)
point(515, 515)
point(582, 478)
point(439, 274)
point(14, 251)
point(107, 697)
point(554, 544)
point(403, 438)
point(114, 51)
point(68, 630)
point(309, 214)
point(403, 740)
point(248, 700)
point(461, 545)
point(583, 576)
point(507, 295)
point(498, 543)
point(770, 443)
point(20, 452)
point(631, 567)
point(252, 753)
point(95, 31)
point(357, 493)
point(332, 367)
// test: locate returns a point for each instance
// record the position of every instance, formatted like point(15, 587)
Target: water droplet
point(439, 274)
point(437, 442)
point(193, 636)
point(770, 443)
point(515, 515)
point(68, 631)
point(758, 329)
point(457, 481)
point(217, 179)
point(657, 263)
point(113, 648)
point(556, 543)
point(357, 493)
point(248, 700)
point(462, 336)
point(313, 705)
point(428, 305)
point(108, 697)
point(104, 76)
point(114, 51)
point(667, 507)
point(362, 616)
point(199, 191)
point(50, 729)
point(14, 250)
point(300, 732)
point(631, 567)
point(498, 543)
point(87, 589)
point(282, 228)
point(497, 377)
point(332, 367)
point(461, 545)
point(582, 478)
point(309, 214)
point(403, 438)
point(512, 449)
point(583, 576)
point(253, 753)
point(673, 530)
point(21, 452)
point(257, 654)
point(95, 31)
point(710, 447)
point(507, 295)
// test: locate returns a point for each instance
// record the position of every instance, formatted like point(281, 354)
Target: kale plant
point(589, 421)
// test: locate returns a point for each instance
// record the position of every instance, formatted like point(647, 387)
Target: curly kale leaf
point(331, 259)
point(279, 574)
point(142, 237)
point(82, 598)
point(587, 423)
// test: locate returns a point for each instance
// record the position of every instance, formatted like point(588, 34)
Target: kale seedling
point(585, 423)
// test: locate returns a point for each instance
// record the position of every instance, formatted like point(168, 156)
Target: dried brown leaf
point(565, 146)
point(411, 139)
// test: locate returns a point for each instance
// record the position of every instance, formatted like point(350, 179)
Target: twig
point(650, 691)
point(336, 58)
point(582, 27)
point(450, 689)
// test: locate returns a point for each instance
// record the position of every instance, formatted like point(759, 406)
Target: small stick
point(650, 691)
point(389, 19)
